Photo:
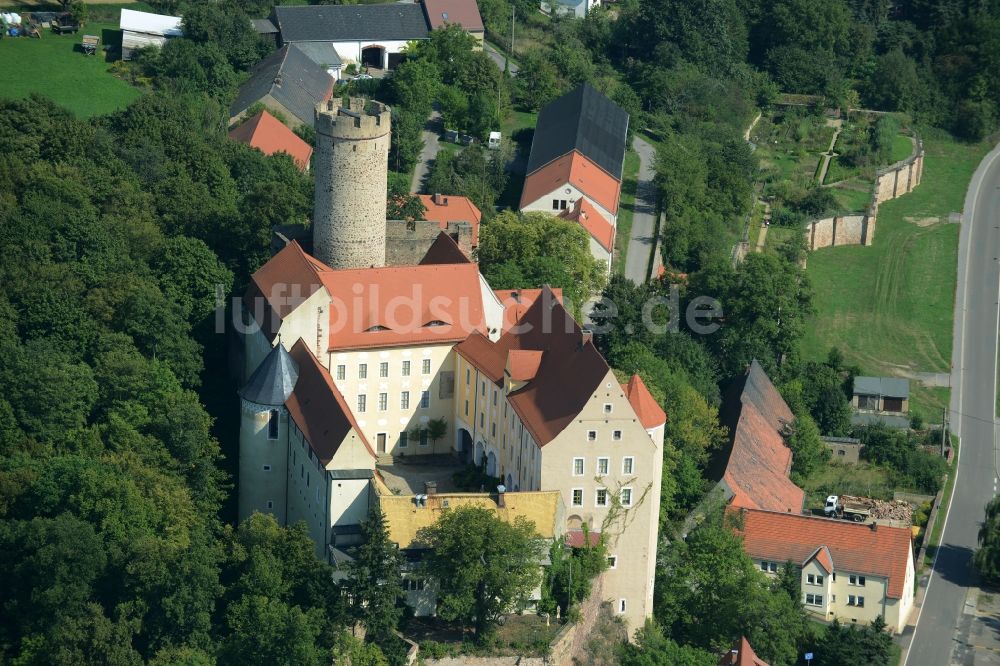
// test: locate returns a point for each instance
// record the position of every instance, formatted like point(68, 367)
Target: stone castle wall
point(407, 243)
point(900, 178)
point(351, 168)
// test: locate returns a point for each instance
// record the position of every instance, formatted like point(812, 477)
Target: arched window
point(272, 425)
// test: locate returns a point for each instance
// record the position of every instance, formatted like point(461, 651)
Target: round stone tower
point(351, 169)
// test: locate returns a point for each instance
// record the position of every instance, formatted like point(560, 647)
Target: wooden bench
point(90, 44)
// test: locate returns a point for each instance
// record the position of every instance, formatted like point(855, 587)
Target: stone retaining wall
point(900, 178)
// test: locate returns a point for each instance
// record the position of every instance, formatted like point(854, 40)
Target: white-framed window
point(616, 435)
point(612, 561)
point(853, 600)
point(341, 372)
point(578, 497)
point(406, 369)
point(425, 366)
point(425, 399)
point(771, 567)
point(819, 579)
point(626, 496)
point(404, 439)
point(362, 371)
point(270, 504)
point(577, 466)
point(602, 466)
point(383, 369)
point(628, 464)
point(591, 435)
point(383, 402)
point(621, 606)
point(404, 400)
point(362, 403)
point(272, 424)
point(856, 580)
point(607, 408)
point(267, 468)
point(601, 497)
point(814, 599)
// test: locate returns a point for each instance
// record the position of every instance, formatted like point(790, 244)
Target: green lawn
point(53, 66)
point(840, 170)
point(853, 195)
point(888, 307)
point(515, 126)
point(834, 478)
point(902, 147)
point(625, 210)
point(777, 236)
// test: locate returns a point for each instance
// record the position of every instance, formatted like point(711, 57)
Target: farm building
point(141, 29)
point(288, 83)
point(881, 399)
point(455, 12)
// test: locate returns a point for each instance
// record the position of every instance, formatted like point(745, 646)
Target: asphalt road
point(499, 58)
point(642, 239)
point(941, 634)
point(428, 153)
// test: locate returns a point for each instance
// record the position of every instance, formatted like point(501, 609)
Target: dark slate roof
point(263, 26)
point(894, 387)
point(333, 23)
point(872, 418)
point(289, 76)
point(320, 53)
point(583, 120)
point(273, 380)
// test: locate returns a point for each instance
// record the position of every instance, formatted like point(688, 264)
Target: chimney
point(430, 487)
point(585, 337)
point(501, 501)
point(516, 295)
point(874, 526)
point(438, 199)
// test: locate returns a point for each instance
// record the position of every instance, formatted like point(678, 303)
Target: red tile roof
point(574, 538)
point(517, 301)
point(650, 414)
point(462, 12)
point(445, 208)
point(404, 305)
point(522, 364)
point(318, 408)
point(823, 558)
point(269, 135)
point(742, 654)
point(575, 169)
point(444, 250)
point(281, 285)
point(759, 462)
point(875, 550)
point(599, 228)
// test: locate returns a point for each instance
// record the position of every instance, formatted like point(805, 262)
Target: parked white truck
point(847, 507)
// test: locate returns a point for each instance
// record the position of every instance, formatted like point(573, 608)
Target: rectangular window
point(267, 468)
point(404, 400)
point(493, 429)
point(602, 497)
point(851, 600)
point(362, 401)
point(272, 424)
point(819, 579)
point(466, 407)
point(772, 567)
point(814, 599)
point(425, 366)
point(562, 204)
point(607, 408)
point(362, 371)
point(425, 399)
point(856, 580)
point(555, 204)
point(406, 368)
point(810, 579)
point(403, 437)
point(577, 466)
point(578, 497)
point(626, 497)
point(423, 437)
point(621, 605)
point(482, 388)
point(861, 602)
point(612, 561)
point(763, 566)
point(341, 372)
point(616, 435)
point(602, 466)
point(494, 398)
point(383, 369)
point(270, 504)
point(468, 376)
point(481, 419)
point(591, 435)
point(628, 464)
point(383, 402)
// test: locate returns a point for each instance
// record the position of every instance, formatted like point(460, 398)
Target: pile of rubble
point(895, 510)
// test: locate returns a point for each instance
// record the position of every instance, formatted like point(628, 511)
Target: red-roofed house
point(455, 12)
point(741, 654)
point(849, 571)
point(445, 208)
point(269, 135)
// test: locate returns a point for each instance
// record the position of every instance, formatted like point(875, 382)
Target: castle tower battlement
point(351, 168)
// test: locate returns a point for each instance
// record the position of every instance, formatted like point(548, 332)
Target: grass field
point(864, 479)
point(889, 307)
point(777, 236)
point(853, 195)
point(625, 210)
point(55, 67)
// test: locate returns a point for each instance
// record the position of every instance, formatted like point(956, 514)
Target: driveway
point(643, 239)
point(428, 153)
point(498, 57)
point(949, 628)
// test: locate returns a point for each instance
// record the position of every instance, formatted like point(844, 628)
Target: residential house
point(269, 135)
point(288, 84)
point(571, 8)
point(576, 162)
point(367, 35)
point(445, 209)
point(142, 29)
point(849, 571)
point(881, 399)
point(465, 13)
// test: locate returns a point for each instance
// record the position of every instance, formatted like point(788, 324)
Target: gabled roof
point(575, 169)
point(273, 380)
point(757, 462)
point(583, 120)
point(269, 135)
point(869, 550)
point(741, 654)
point(282, 284)
point(444, 250)
point(150, 24)
point(516, 302)
point(404, 305)
point(319, 409)
point(445, 208)
point(570, 372)
point(263, 26)
point(321, 53)
point(291, 78)
point(335, 23)
point(823, 558)
point(587, 215)
point(460, 12)
point(894, 387)
point(650, 414)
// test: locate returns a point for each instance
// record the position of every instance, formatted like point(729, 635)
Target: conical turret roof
point(273, 380)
